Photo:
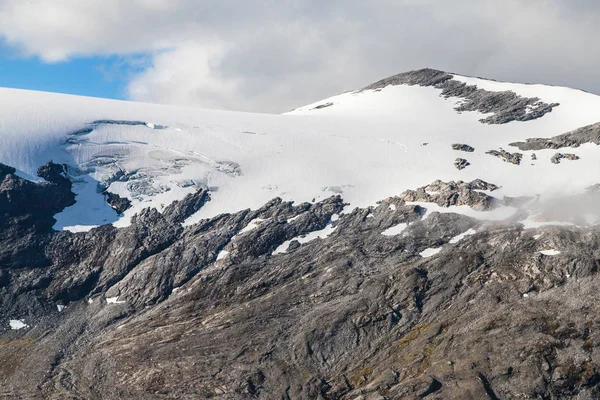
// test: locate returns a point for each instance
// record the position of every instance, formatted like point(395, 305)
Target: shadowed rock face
point(505, 106)
point(118, 203)
point(27, 213)
point(357, 315)
point(32, 206)
point(5, 170)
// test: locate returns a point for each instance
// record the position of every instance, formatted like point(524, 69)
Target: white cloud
point(184, 75)
point(56, 30)
point(265, 55)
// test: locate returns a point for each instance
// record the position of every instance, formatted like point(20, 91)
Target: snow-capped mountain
point(367, 145)
point(343, 250)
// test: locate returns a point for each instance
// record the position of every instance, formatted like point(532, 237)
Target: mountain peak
point(502, 103)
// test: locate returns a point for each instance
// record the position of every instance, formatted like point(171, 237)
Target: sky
point(275, 55)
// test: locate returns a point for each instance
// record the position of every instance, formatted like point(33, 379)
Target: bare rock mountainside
point(333, 252)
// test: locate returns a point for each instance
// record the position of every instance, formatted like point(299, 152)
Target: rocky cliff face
point(445, 306)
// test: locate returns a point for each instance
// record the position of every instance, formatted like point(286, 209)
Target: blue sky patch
point(87, 76)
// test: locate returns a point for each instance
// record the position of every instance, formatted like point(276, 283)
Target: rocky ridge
point(575, 138)
point(505, 106)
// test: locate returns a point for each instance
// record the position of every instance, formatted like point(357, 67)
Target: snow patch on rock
point(429, 252)
point(551, 252)
point(320, 234)
point(395, 230)
point(16, 324)
point(252, 225)
point(460, 237)
point(114, 300)
point(222, 255)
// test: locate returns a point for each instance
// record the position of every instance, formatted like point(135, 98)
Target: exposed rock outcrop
point(463, 147)
point(321, 106)
point(6, 170)
point(118, 203)
point(26, 206)
point(179, 211)
point(575, 138)
point(555, 159)
point(446, 194)
point(513, 158)
point(461, 163)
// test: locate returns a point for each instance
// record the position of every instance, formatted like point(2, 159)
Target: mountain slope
point(385, 269)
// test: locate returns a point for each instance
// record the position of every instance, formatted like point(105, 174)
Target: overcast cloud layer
point(274, 55)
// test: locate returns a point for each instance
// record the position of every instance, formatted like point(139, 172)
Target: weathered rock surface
point(463, 147)
point(505, 106)
point(446, 194)
point(461, 163)
point(555, 159)
point(153, 312)
point(575, 138)
point(513, 158)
